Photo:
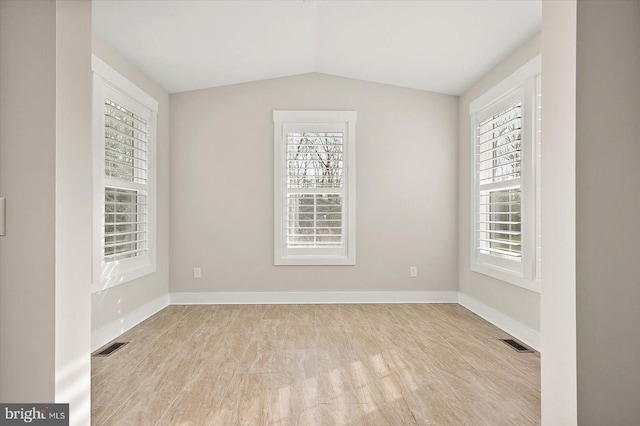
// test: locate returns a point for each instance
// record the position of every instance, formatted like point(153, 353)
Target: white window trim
point(106, 275)
point(347, 119)
point(521, 84)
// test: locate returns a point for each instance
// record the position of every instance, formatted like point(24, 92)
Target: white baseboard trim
point(115, 328)
point(287, 298)
point(518, 330)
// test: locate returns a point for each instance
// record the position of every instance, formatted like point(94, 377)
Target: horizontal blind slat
point(123, 223)
point(502, 252)
point(117, 234)
point(125, 124)
point(118, 203)
point(500, 116)
point(494, 213)
point(126, 155)
point(504, 145)
point(125, 253)
point(122, 110)
point(495, 231)
point(507, 137)
point(507, 242)
point(509, 164)
point(125, 243)
point(490, 135)
point(108, 128)
point(136, 135)
point(498, 222)
point(515, 151)
point(125, 165)
point(500, 177)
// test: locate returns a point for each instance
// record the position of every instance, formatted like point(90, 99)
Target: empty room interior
point(321, 212)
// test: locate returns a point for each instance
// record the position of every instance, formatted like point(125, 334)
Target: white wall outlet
point(197, 273)
point(413, 271)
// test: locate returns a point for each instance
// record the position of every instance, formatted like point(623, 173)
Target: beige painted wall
point(607, 212)
point(27, 90)
point(518, 303)
point(558, 301)
point(111, 305)
point(73, 214)
point(222, 187)
point(45, 174)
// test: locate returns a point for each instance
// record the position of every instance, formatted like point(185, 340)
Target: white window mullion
point(117, 183)
point(493, 186)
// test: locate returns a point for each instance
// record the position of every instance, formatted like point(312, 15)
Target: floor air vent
point(111, 349)
point(517, 346)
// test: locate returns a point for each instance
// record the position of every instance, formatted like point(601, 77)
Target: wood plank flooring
point(434, 364)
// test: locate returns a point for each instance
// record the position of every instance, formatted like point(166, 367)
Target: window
point(314, 187)
point(124, 120)
point(504, 239)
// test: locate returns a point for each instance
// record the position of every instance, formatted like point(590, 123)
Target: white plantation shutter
point(126, 169)
point(315, 182)
point(504, 215)
point(315, 189)
point(124, 179)
point(126, 144)
point(498, 168)
point(125, 233)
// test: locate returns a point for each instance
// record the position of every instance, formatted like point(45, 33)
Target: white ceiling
point(440, 46)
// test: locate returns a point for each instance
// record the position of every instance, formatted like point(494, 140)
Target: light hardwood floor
point(435, 364)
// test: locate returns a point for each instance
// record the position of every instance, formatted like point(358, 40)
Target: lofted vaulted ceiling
point(440, 46)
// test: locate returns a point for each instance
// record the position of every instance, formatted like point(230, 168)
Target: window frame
point(108, 83)
point(519, 86)
point(287, 120)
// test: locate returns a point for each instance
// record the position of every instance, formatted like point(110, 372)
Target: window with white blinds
point(499, 143)
point(315, 181)
point(124, 179)
point(315, 161)
point(503, 216)
point(126, 148)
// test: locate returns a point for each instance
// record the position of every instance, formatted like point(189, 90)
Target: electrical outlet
point(413, 271)
point(197, 273)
